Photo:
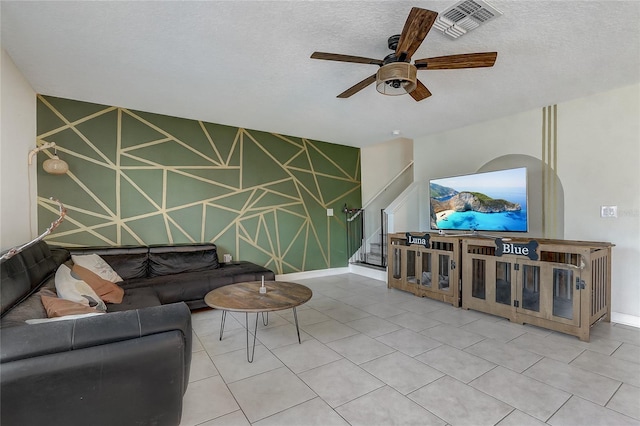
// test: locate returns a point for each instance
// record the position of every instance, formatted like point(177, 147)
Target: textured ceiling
point(246, 63)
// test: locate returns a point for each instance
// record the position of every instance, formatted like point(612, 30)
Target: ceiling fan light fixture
point(396, 78)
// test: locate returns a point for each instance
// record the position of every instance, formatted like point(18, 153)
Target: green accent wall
point(141, 178)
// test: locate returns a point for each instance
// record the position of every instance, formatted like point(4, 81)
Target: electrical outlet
point(608, 211)
point(329, 212)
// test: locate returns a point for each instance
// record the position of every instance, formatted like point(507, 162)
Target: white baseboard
point(312, 274)
point(625, 319)
point(354, 269)
point(368, 272)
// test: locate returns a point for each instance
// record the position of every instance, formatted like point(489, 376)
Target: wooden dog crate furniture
point(425, 265)
point(560, 285)
point(556, 284)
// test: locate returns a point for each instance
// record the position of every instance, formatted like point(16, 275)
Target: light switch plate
point(329, 212)
point(608, 211)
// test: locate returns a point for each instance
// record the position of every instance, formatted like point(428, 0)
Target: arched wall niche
point(545, 195)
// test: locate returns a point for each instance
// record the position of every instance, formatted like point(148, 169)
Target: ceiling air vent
point(465, 16)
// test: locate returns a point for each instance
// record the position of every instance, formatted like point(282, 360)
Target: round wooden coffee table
point(246, 297)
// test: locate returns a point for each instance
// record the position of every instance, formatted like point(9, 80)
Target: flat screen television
point(490, 202)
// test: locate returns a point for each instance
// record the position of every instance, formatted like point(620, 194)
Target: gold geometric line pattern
point(347, 176)
point(69, 125)
point(260, 196)
point(170, 137)
point(72, 126)
point(315, 177)
point(549, 172)
point(213, 145)
point(46, 203)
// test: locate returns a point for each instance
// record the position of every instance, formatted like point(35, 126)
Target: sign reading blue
point(528, 250)
point(423, 240)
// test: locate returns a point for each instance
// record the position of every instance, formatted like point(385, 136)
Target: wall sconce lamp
point(54, 165)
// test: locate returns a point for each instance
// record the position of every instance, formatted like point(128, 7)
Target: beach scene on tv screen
point(491, 201)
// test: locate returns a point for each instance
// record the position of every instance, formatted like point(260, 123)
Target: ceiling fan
point(396, 75)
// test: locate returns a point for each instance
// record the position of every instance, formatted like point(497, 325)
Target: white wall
point(381, 163)
point(17, 138)
point(404, 213)
point(599, 154)
point(465, 150)
point(598, 164)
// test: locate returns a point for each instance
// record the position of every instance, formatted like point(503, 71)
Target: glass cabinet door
point(443, 272)
point(478, 279)
point(426, 270)
point(411, 266)
point(489, 282)
point(503, 283)
point(563, 293)
point(397, 263)
point(530, 287)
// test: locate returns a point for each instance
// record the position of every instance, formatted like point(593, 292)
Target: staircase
point(375, 255)
point(367, 227)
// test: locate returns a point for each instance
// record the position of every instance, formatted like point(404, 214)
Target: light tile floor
point(377, 356)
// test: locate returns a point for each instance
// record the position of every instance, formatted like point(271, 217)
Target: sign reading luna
point(528, 250)
point(423, 240)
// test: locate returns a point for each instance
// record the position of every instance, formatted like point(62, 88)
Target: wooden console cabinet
point(566, 287)
point(425, 265)
point(561, 285)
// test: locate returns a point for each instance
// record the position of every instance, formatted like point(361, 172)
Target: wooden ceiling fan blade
point(345, 58)
point(357, 87)
point(452, 62)
point(420, 92)
point(416, 28)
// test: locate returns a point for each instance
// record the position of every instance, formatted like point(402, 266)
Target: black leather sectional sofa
point(127, 367)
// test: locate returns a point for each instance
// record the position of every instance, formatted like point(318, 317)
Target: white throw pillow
point(71, 287)
point(66, 317)
point(97, 265)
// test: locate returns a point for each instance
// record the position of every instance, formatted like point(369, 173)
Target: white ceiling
point(246, 63)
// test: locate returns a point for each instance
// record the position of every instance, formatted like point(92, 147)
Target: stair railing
point(358, 218)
